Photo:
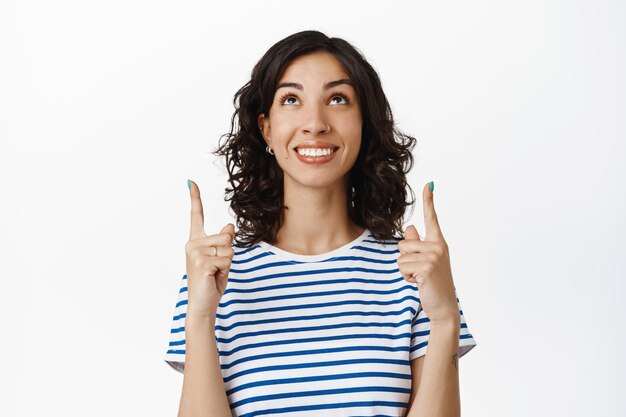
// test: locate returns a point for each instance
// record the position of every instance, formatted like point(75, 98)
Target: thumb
point(230, 229)
point(411, 233)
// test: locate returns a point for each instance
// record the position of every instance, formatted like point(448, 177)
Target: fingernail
point(432, 186)
point(189, 184)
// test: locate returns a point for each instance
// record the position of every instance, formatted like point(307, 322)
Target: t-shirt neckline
point(342, 250)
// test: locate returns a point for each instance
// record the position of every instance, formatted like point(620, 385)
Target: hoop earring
point(269, 150)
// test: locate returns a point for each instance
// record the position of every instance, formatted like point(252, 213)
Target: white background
point(106, 108)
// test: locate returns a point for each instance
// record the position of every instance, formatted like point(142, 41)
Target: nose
point(315, 123)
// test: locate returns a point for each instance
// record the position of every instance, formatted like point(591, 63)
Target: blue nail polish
point(432, 186)
point(189, 184)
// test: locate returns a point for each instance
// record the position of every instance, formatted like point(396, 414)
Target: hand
point(207, 272)
point(427, 263)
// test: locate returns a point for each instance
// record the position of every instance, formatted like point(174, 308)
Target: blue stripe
point(317, 283)
point(418, 346)
point(319, 316)
point(315, 339)
point(317, 351)
point(252, 258)
point(426, 320)
point(246, 250)
point(384, 242)
point(366, 248)
point(317, 379)
point(314, 294)
point(317, 365)
point(312, 272)
point(319, 392)
point(325, 407)
point(290, 273)
point(311, 329)
point(361, 258)
point(427, 332)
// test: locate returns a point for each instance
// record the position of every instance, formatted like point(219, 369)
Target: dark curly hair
point(377, 182)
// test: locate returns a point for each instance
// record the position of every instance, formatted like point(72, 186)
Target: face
point(315, 110)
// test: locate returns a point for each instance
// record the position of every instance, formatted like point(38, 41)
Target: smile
point(315, 155)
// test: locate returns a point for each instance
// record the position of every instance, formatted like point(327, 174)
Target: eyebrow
point(327, 85)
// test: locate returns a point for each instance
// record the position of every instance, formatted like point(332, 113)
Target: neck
point(316, 220)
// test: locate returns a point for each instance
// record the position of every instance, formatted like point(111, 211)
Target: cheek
point(353, 139)
point(282, 130)
point(351, 128)
point(284, 117)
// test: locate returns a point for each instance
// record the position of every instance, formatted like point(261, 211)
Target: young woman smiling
point(324, 305)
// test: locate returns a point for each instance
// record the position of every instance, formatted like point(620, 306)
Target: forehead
point(316, 67)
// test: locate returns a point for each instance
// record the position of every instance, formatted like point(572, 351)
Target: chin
point(317, 179)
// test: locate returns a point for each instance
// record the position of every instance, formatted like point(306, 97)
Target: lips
point(315, 144)
point(316, 160)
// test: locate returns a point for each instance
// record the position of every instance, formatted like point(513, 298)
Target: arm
point(438, 393)
point(204, 394)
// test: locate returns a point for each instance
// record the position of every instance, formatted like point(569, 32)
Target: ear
point(263, 127)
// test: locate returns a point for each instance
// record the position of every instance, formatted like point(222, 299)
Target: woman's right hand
point(207, 271)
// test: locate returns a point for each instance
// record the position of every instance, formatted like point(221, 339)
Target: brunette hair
point(377, 183)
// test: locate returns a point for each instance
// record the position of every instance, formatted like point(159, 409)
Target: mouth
point(315, 152)
point(315, 155)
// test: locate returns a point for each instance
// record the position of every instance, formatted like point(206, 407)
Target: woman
point(316, 309)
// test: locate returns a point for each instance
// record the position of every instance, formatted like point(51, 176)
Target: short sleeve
point(420, 331)
point(175, 354)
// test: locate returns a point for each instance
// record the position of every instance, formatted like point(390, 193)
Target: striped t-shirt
point(310, 335)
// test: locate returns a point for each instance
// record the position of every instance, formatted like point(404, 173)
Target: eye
point(341, 95)
point(285, 96)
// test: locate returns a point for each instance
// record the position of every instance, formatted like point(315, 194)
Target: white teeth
point(315, 151)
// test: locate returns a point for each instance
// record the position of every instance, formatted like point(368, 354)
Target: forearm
point(204, 394)
point(438, 393)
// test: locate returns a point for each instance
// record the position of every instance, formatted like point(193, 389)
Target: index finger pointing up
point(433, 231)
point(197, 213)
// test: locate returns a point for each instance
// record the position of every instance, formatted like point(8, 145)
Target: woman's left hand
point(427, 263)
